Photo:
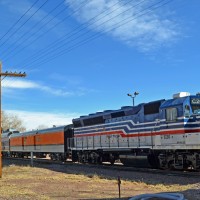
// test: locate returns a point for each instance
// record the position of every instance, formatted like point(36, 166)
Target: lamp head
point(136, 93)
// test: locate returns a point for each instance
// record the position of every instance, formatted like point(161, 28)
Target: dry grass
point(36, 183)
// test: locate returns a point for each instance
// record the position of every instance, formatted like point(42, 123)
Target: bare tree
point(10, 121)
point(42, 126)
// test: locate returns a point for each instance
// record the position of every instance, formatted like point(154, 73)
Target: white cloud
point(32, 120)
point(22, 84)
point(9, 85)
point(126, 23)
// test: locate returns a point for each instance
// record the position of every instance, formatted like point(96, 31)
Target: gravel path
point(149, 178)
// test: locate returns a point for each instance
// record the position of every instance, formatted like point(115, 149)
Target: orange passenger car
point(52, 141)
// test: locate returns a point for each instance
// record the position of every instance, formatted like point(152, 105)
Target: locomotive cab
point(180, 133)
point(191, 106)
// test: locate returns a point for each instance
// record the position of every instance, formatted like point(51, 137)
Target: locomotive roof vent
point(181, 94)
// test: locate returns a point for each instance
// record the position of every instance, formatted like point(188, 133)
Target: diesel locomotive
point(160, 134)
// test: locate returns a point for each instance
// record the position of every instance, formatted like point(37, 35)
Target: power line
point(32, 28)
point(99, 34)
point(81, 5)
point(44, 52)
point(18, 20)
point(24, 23)
point(72, 34)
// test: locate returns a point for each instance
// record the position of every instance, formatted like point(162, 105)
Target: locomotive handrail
point(153, 130)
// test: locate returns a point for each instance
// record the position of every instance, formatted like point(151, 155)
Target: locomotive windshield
point(195, 104)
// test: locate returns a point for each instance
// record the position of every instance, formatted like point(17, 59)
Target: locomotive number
point(166, 136)
point(195, 101)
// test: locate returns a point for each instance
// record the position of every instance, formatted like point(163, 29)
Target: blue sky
point(83, 56)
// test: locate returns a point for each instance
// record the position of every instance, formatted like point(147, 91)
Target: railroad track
point(117, 167)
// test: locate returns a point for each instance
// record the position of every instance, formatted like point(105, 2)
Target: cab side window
point(187, 111)
point(171, 114)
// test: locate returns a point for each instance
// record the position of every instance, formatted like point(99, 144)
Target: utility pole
point(5, 74)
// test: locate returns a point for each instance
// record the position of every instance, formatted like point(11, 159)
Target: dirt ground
point(25, 182)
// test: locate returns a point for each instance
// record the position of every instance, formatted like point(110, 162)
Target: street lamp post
point(133, 96)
